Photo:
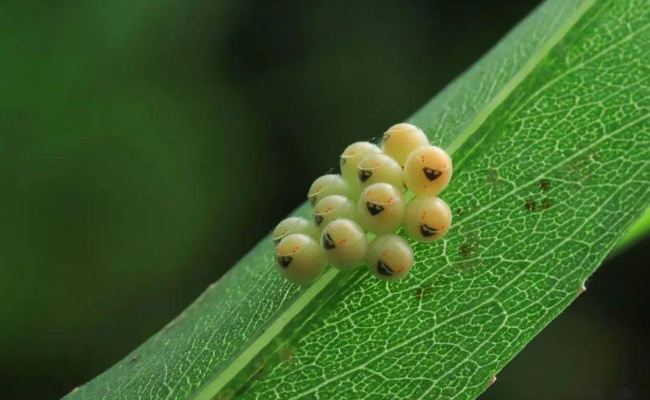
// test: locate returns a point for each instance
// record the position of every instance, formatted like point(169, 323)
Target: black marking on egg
point(284, 261)
point(277, 240)
point(385, 137)
point(384, 269)
point(343, 160)
point(364, 175)
point(431, 174)
point(374, 208)
point(318, 219)
point(427, 231)
point(312, 199)
point(328, 242)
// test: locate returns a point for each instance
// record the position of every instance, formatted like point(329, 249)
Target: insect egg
point(328, 185)
point(345, 244)
point(380, 208)
point(379, 167)
point(427, 218)
point(299, 258)
point(352, 156)
point(295, 225)
point(427, 171)
point(401, 139)
point(389, 257)
point(332, 207)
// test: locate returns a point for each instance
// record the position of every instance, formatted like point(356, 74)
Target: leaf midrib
point(211, 389)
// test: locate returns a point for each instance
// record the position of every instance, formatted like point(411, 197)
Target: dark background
point(147, 145)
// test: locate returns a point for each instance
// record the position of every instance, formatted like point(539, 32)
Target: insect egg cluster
point(369, 200)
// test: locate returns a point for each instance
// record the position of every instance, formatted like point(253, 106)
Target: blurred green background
point(147, 145)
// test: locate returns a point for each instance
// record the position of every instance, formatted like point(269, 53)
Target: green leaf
point(638, 230)
point(550, 135)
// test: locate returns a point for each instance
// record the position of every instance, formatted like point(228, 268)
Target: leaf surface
point(550, 136)
point(638, 231)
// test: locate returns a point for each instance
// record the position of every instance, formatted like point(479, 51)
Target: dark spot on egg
point(431, 174)
point(284, 261)
point(328, 242)
point(318, 219)
point(364, 175)
point(384, 269)
point(427, 231)
point(374, 208)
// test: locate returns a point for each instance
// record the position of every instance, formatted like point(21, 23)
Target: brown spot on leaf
point(465, 250)
point(546, 204)
point(530, 205)
point(261, 370)
point(469, 246)
point(469, 252)
point(422, 291)
point(286, 354)
point(459, 211)
point(134, 359)
point(493, 175)
point(242, 390)
point(259, 373)
point(544, 184)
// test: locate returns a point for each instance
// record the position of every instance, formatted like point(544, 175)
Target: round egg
point(344, 243)
point(295, 225)
point(390, 257)
point(427, 219)
point(401, 139)
point(299, 258)
point(328, 185)
point(427, 171)
point(380, 208)
point(333, 207)
point(379, 167)
point(352, 156)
